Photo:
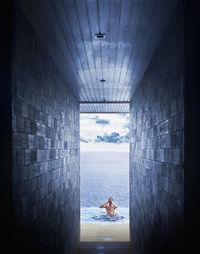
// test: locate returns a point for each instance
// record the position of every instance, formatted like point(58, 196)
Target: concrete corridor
point(94, 56)
point(105, 248)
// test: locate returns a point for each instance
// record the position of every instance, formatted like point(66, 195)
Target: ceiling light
point(100, 35)
point(102, 80)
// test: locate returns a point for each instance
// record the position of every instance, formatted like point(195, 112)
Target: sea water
point(96, 214)
point(104, 175)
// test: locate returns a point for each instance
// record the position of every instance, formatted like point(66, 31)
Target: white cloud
point(93, 125)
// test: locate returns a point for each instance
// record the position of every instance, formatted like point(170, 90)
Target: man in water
point(110, 207)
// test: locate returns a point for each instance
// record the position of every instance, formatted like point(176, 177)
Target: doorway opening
point(104, 173)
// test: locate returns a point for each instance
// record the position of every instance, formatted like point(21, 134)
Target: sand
point(107, 232)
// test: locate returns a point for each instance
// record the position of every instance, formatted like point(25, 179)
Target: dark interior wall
point(157, 146)
point(5, 126)
point(45, 148)
point(192, 123)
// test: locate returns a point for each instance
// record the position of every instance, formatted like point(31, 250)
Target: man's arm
point(115, 206)
point(103, 205)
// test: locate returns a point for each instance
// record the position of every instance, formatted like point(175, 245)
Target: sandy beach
point(104, 232)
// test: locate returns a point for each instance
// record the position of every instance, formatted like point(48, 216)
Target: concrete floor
point(105, 248)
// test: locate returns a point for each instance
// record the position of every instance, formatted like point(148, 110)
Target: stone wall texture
point(157, 146)
point(45, 148)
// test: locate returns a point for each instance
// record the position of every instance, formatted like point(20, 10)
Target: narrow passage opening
point(104, 167)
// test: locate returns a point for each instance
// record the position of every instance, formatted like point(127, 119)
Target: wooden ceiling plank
point(122, 44)
point(114, 37)
point(126, 10)
point(51, 19)
point(76, 34)
point(71, 53)
point(156, 27)
point(40, 20)
point(130, 35)
point(94, 28)
point(103, 19)
point(143, 26)
point(138, 53)
point(86, 35)
point(86, 39)
point(92, 56)
point(65, 51)
point(138, 10)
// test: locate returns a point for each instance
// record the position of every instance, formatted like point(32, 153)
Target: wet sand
point(93, 232)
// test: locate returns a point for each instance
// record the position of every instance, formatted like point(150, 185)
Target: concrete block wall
point(157, 146)
point(45, 148)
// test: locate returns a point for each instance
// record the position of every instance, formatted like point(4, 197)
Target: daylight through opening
point(104, 173)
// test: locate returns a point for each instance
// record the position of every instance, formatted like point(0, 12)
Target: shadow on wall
point(32, 237)
point(170, 241)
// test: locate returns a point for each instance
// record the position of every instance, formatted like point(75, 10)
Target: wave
point(108, 218)
point(96, 214)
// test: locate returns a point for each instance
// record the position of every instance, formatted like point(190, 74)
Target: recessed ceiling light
point(100, 35)
point(102, 80)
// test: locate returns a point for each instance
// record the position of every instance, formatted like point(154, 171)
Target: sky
point(104, 132)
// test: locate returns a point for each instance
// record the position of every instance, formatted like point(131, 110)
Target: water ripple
point(108, 218)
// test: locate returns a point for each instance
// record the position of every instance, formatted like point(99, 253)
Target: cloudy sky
point(104, 132)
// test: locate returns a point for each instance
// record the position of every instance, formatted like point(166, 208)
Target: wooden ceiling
point(132, 28)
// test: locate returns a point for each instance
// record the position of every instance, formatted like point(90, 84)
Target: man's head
point(110, 200)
